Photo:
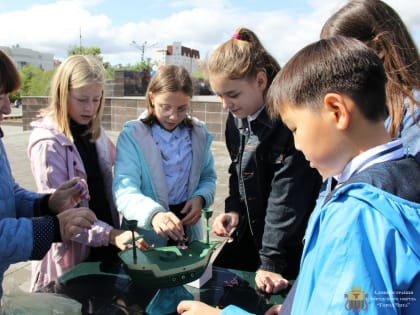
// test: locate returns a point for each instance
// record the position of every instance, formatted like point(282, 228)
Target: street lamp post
point(142, 47)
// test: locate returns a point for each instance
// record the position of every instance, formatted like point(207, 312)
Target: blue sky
point(283, 26)
point(147, 10)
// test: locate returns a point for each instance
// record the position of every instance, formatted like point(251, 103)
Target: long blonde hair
point(75, 72)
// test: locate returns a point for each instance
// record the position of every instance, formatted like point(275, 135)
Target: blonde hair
point(75, 72)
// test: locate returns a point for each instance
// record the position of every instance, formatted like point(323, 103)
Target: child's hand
point(274, 310)
point(168, 226)
point(193, 209)
point(196, 308)
point(123, 240)
point(224, 223)
point(270, 282)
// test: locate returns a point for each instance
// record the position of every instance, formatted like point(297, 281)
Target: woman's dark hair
point(9, 76)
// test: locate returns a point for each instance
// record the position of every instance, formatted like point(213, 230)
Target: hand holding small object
point(168, 226)
point(124, 239)
point(74, 221)
point(68, 195)
point(225, 223)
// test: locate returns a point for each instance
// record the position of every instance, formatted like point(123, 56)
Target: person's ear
point(261, 79)
point(336, 105)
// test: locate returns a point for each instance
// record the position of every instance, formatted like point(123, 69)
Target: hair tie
point(236, 36)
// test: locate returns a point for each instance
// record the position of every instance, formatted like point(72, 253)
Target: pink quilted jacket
point(54, 159)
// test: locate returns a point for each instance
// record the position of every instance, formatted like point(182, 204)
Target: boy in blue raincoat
point(362, 244)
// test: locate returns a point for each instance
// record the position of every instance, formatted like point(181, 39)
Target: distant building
point(177, 54)
point(24, 56)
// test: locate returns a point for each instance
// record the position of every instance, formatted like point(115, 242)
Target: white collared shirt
point(254, 116)
point(176, 151)
point(392, 150)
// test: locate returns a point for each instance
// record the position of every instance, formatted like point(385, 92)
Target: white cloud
point(52, 28)
point(202, 25)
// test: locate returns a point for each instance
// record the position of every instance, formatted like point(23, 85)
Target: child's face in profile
point(83, 103)
point(5, 108)
point(170, 108)
point(315, 135)
point(242, 97)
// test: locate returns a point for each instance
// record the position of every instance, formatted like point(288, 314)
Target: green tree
point(35, 81)
point(14, 96)
point(96, 51)
point(109, 71)
point(140, 66)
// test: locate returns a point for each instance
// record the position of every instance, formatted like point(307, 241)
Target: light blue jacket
point(16, 211)
point(362, 238)
point(139, 185)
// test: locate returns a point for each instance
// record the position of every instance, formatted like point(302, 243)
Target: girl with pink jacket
point(68, 141)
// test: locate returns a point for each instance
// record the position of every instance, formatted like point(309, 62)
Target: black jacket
point(272, 187)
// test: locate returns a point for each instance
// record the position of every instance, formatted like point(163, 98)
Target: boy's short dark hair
point(334, 65)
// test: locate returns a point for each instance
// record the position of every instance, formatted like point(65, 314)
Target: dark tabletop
point(105, 288)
